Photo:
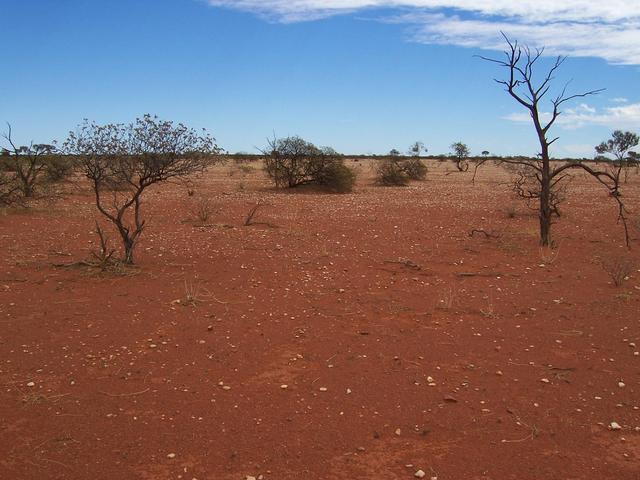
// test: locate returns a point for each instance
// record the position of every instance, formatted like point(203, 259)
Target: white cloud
point(620, 100)
point(622, 117)
point(584, 28)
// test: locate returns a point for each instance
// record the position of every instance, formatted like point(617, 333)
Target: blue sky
point(363, 76)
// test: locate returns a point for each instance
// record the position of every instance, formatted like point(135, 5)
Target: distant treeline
point(250, 157)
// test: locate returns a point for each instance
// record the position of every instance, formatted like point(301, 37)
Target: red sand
point(352, 301)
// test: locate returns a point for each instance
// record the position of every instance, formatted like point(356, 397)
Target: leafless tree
point(523, 85)
point(28, 163)
point(133, 157)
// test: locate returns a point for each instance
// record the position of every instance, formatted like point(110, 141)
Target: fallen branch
point(133, 394)
point(486, 234)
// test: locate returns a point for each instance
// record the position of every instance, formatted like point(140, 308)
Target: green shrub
point(291, 162)
point(389, 172)
point(337, 177)
point(58, 168)
point(414, 168)
point(398, 171)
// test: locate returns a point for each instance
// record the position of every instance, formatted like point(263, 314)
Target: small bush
point(291, 162)
point(58, 169)
point(390, 173)
point(203, 210)
point(510, 211)
point(337, 177)
point(414, 168)
point(398, 171)
point(618, 267)
point(10, 192)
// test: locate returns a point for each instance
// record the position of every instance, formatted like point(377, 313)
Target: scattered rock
point(284, 387)
point(419, 474)
point(615, 426)
point(31, 384)
point(398, 431)
point(171, 455)
point(545, 380)
point(450, 399)
point(323, 389)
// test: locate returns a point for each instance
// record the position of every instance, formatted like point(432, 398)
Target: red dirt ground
point(353, 302)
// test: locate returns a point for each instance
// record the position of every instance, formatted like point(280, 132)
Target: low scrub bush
point(291, 162)
point(399, 171)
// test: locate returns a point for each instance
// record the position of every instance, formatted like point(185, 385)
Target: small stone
point(31, 384)
point(430, 380)
point(398, 431)
point(171, 455)
point(323, 389)
point(153, 345)
point(621, 384)
point(615, 426)
point(250, 477)
point(284, 387)
point(419, 474)
point(361, 449)
point(499, 373)
point(450, 399)
point(348, 391)
point(545, 380)
point(226, 387)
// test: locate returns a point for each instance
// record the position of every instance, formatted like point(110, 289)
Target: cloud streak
point(620, 117)
point(582, 28)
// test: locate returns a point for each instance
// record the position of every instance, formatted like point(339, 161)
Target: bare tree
point(122, 161)
point(28, 163)
point(523, 86)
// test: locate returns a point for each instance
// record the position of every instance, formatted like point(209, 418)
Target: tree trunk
point(128, 252)
point(545, 195)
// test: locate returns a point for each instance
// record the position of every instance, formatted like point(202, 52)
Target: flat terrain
point(404, 343)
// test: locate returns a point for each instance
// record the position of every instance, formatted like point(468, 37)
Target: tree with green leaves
point(619, 146)
point(292, 161)
point(416, 149)
point(460, 153)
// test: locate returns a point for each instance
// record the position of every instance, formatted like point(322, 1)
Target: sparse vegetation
point(291, 162)
point(524, 85)
point(27, 163)
point(399, 171)
point(133, 157)
point(460, 154)
point(618, 266)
